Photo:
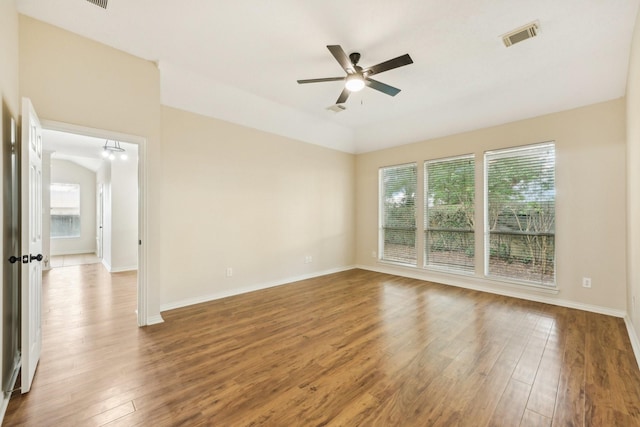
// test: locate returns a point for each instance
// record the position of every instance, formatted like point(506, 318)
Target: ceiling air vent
point(336, 108)
point(101, 3)
point(520, 34)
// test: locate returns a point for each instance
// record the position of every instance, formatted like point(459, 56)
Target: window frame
point(508, 153)
point(78, 215)
point(449, 268)
point(382, 215)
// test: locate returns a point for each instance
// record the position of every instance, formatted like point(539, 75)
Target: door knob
point(38, 257)
point(13, 259)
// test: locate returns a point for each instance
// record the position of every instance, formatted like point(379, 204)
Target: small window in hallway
point(65, 210)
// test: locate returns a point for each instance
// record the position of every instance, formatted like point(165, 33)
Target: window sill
point(471, 280)
point(398, 263)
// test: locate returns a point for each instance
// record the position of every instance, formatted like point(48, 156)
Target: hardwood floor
point(349, 349)
point(69, 260)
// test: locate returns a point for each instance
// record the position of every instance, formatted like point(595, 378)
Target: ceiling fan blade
point(342, 58)
point(382, 87)
point(389, 65)
point(343, 96)
point(326, 79)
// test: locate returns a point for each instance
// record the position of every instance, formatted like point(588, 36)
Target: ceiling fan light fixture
point(354, 83)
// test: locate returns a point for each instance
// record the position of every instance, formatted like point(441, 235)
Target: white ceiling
point(83, 150)
point(239, 60)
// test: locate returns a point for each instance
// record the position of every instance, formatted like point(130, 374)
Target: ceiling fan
point(357, 77)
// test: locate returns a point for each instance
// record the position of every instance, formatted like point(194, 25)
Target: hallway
point(89, 325)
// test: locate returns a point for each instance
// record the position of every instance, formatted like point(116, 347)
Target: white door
point(31, 215)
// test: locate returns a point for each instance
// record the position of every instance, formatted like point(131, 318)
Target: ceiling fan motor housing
point(354, 57)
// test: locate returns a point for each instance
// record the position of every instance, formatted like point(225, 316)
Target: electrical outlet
point(586, 282)
point(229, 271)
point(308, 259)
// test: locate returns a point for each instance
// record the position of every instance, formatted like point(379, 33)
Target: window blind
point(65, 210)
point(520, 214)
point(449, 213)
point(398, 213)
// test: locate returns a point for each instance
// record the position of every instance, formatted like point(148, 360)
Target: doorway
point(115, 236)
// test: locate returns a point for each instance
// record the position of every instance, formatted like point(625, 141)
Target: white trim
point(142, 199)
point(247, 289)
point(4, 405)
point(123, 269)
point(484, 285)
point(77, 252)
point(106, 265)
point(7, 395)
point(143, 232)
point(153, 320)
point(633, 337)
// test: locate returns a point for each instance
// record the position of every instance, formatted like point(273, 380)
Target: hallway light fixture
point(111, 148)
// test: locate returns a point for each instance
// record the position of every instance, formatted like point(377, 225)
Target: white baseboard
point(633, 337)
point(76, 252)
point(123, 269)
point(476, 284)
point(4, 405)
point(246, 289)
point(154, 320)
point(6, 396)
point(111, 269)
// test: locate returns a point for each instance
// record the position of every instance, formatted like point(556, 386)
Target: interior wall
point(633, 179)
point(66, 172)
point(590, 204)
point(9, 88)
point(251, 201)
point(124, 211)
point(74, 80)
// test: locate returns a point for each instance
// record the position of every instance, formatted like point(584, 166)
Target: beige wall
point(9, 55)
point(73, 80)
point(590, 212)
point(253, 201)
point(633, 179)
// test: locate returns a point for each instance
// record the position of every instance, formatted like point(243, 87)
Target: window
point(65, 210)
point(449, 213)
point(398, 214)
point(520, 214)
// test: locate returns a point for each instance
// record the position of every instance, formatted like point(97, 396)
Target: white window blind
point(65, 210)
point(520, 214)
point(398, 214)
point(449, 213)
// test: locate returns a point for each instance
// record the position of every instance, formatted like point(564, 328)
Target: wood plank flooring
point(350, 349)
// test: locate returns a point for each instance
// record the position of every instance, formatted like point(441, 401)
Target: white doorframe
point(142, 199)
point(99, 219)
